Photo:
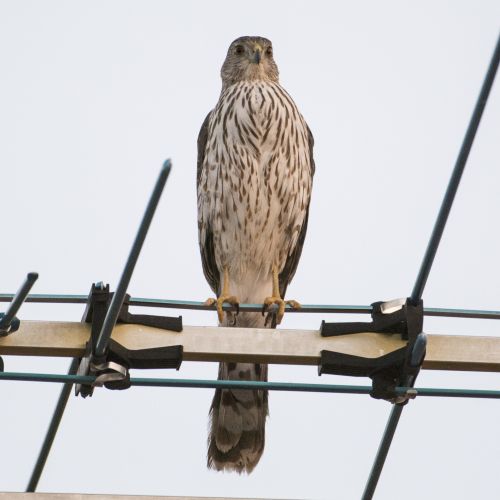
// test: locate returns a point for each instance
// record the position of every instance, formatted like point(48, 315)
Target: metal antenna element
point(121, 289)
point(383, 450)
point(252, 385)
point(7, 318)
point(451, 191)
point(105, 334)
point(52, 430)
point(201, 306)
point(430, 253)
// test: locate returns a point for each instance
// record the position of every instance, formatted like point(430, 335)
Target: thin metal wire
point(251, 385)
point(305, 308)
point(430, 253)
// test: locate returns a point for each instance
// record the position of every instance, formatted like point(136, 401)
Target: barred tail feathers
point(238, 417)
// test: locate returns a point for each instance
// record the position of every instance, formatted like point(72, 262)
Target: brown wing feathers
point(207, 247)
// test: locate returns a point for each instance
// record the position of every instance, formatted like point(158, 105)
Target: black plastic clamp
point(8, 327)
point(397, 368)
point(8, 321)
point(112, 369)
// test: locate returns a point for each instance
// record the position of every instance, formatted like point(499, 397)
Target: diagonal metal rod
point(52, 430)
point(383, 450)
point(121, 289)
point(451, 191)
point(109, 323)
point(17, 300)
point(431, 250)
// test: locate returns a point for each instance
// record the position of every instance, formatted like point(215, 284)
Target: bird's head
point(249, 58)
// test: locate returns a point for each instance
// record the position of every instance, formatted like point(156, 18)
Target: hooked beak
point(257, 56)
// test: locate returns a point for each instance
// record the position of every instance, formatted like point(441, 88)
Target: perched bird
point(254, 179)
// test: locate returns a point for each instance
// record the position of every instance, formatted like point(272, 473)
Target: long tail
point(238, 417)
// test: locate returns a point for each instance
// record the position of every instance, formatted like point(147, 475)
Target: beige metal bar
point(259, 345)
point(80, 496)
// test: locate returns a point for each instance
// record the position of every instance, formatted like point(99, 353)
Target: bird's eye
point(269, 51)
point(239, 49)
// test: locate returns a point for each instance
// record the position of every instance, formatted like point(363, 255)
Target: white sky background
point(95, 95)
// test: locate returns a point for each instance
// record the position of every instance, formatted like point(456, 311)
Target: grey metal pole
point(52, 430)
point(108, 325)
point(121, 289)
point(382, 452)
point(17, 301)
point(456, 176)
point(430, 253)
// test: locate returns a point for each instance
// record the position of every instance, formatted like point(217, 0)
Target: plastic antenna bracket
point(112, 369)
point(399, 367)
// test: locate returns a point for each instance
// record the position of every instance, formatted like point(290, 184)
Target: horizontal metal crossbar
point(252, 385)
point(201, 306)
point(82, 496)
point(252, 345)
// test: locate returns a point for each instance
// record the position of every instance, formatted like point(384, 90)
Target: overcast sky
point(95, 95)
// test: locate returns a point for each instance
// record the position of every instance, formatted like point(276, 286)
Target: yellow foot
point(224, 299)
point(270, 301)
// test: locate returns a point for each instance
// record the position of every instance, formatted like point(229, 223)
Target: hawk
point(254, 180)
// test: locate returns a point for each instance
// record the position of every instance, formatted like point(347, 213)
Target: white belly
point(256, 179)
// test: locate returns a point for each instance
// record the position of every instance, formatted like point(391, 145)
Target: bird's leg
point(277, 299)
point(224, 297)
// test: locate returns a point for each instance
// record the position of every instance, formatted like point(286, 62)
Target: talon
point(233, 322)
point(219, 302)
point(269, 320)
point(276, 299)
point(227, 299)
point(269, 301)
point(293, 304)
